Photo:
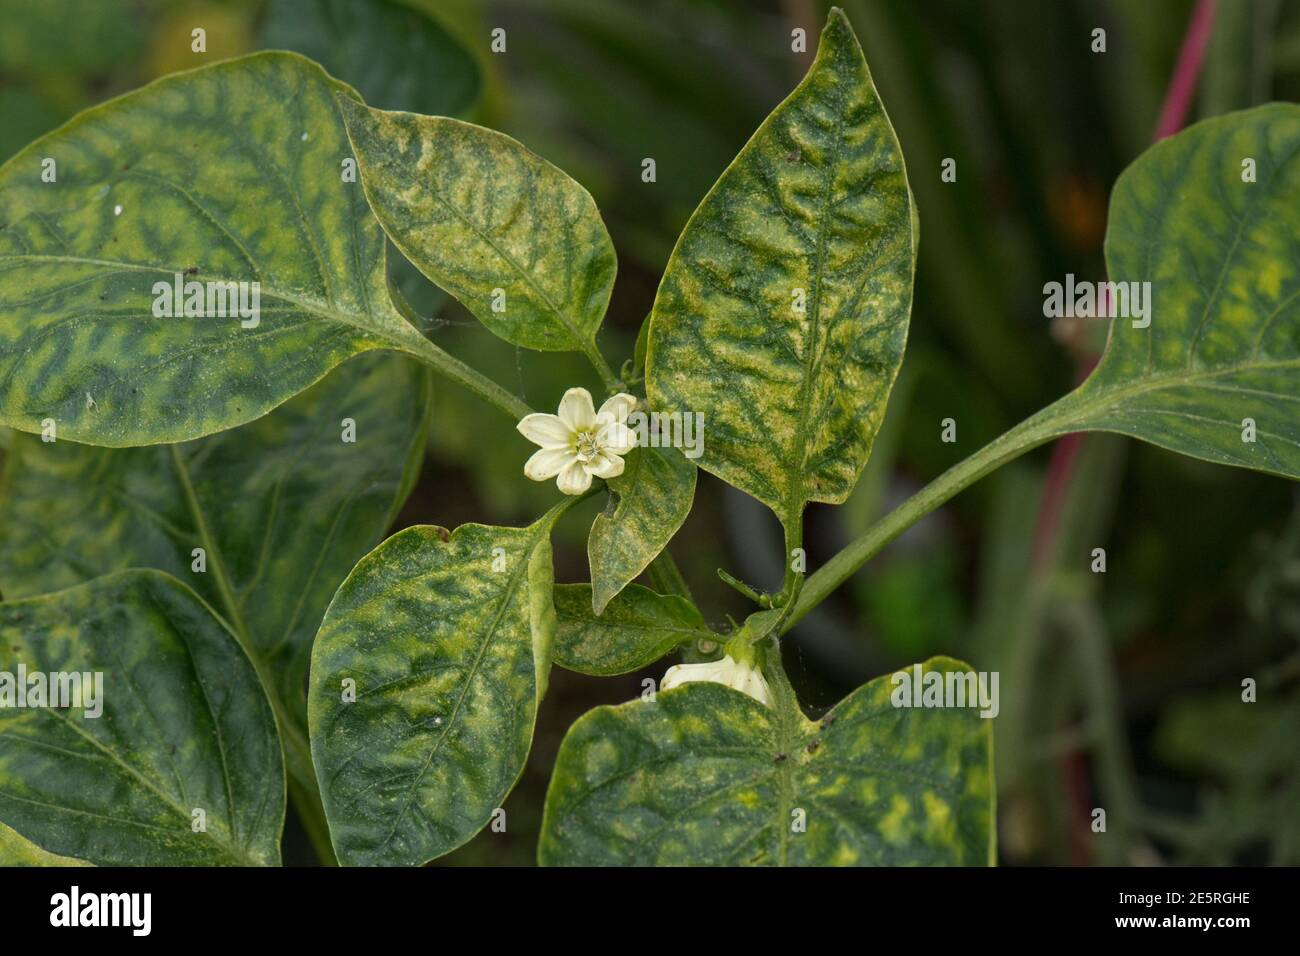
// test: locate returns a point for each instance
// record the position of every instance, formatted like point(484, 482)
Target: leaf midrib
point(329, 311)
point(560, 314)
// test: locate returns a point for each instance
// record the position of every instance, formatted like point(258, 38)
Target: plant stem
point(451, 367)
point(1054, 420)
point(611, 381)
point(745, 590)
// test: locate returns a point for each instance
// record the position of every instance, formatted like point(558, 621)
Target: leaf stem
point(611, 381)
point(1048, 423)
point(762, 600)
point(453, 368)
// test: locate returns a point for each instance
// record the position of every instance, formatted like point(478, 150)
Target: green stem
point(1051, 422)
point(762, 600)
point(611, 381)
point(453, 368)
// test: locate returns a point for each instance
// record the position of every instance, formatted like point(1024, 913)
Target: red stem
point(1065, 452)
point(1182, 86)
point(1173, 114)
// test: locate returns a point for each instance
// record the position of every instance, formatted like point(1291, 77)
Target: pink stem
point(1178, 98)
point(1173, 114)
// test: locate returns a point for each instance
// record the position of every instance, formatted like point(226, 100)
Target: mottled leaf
point(637, 628)
point(648, 503)
point(642, 346)
point(16, 850)
point(1223, 340)
point(395, 56)
point(230, 173)
point(446, 640)
point(782, 315)
point(518, 242)
point(185, 726)
point(282, 507)
point(707, 775)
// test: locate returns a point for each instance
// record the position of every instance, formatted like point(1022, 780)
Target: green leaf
point(185, 726)
point(16, 850)
point(233, 171)
point(490, 222)
point(649, 502)
point(636, 629)
point(447, 639)
point(396, 57)
point(705, 775)
point(282, 507)
point(642, 346)
point(1223, 343)
point(815, 206)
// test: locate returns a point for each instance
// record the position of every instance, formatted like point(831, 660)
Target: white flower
point(727, 671)
point(579, 442)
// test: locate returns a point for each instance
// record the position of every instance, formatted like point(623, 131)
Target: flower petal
point(545, 430)
point(616, 438)
point(680, 674)
point(618, 407)
point(574, 480)
point(725, 671)
point(548, 463)
point(577, 411)
point(605, 465)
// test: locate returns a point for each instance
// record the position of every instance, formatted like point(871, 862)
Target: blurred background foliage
point(1119, 690)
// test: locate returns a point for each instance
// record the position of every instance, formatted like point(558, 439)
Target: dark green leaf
point(185, 726)
point(636, 629)
point(282, 507)
point(396, 57)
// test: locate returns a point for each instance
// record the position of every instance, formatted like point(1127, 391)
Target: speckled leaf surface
point(477, 212)
point(814, 211)
point(396, 57)
point(17, 850)
point(447, 638)
point(185, 726)
point(648, 503)
point(283, 508)
point(1223, 261)
point(249, 187)
point(705, 775)
point(637, 627)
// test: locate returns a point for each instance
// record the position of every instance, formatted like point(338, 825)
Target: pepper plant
point(185, 509)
